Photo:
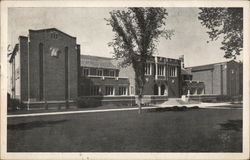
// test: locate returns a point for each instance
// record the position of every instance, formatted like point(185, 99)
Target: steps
point(178, 101)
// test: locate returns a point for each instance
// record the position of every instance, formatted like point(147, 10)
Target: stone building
point(44, 68)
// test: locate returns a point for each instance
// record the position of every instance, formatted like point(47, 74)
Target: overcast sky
point(89, 26)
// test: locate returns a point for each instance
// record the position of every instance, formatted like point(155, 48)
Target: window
point(85, 72)
point(94, 90)
point(172, 71)
point(109, 90)
point(122, 90)
point(53, 35)
point(161, 70)
point(147, 69)
point(111, 73)
point(99, 72)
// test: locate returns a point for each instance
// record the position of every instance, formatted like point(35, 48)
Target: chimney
point(182, 61)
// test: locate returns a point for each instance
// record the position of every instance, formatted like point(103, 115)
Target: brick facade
point(98, 74)
point(44, 74)
point(166, 82)
point(223, 78)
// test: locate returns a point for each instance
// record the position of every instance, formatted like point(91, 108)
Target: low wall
point(203, 98)
point(214, 98)
point(125, 100)
point(90, 101)
point(41, 105)
point(153, 99)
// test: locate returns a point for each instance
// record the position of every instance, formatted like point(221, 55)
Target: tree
point(137, 33)
point(226, 22)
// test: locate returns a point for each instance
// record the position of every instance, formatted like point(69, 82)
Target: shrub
point(15, 104)
point(85, 102)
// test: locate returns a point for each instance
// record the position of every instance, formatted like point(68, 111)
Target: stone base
point(41, 105)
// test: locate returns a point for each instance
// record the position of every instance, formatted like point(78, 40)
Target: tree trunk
point(139, 104)
point(140, 101)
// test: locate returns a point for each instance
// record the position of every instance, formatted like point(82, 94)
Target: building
point(100, 77)
point(162, 77)
point(190, 86)
point(44, 68)
point(225, 78)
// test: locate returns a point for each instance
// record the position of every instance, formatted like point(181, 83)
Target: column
point(159, 90)
point(156, 68)
point(150, 65)
point(164, 70)
point(113, 90)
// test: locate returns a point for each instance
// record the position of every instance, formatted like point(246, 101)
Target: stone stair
point(178, 102)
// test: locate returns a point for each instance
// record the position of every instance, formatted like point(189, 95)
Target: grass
point(195, 130)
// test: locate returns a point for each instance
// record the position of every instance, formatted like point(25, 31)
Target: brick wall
point(234, 82)
point(217, 79)
point(221, 78)
point(54, 67)
point(130, 74)
point(173, 83)
point(23, 44)
point(86, 83)
point(206, 77)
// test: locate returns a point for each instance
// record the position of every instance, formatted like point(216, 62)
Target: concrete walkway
point(163, 105)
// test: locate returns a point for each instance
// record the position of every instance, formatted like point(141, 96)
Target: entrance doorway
point(155, 89)
point(162, 89)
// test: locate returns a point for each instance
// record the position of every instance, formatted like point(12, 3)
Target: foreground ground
point(194, 130)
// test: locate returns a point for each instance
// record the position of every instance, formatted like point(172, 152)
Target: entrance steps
point(178, 102)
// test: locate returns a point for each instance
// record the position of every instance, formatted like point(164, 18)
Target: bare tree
point(137, 32)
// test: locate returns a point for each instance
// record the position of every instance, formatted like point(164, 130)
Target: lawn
point(196, 130)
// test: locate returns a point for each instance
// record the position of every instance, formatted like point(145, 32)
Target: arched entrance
point(162, 89)
point(155, 89)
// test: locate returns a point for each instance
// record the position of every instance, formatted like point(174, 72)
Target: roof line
point(82, 55)
point(209, 64)
point(39, 30)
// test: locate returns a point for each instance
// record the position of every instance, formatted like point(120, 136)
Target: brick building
point(190, 86)
point(100, 77)
point(162, 77)
point(44, 68)
point(225, 78)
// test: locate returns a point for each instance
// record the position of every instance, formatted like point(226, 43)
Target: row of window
point(161, 70)
point(172, 71)
point(109, 90)
point(98, 72)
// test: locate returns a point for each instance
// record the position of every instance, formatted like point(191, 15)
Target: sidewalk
point(167, 104)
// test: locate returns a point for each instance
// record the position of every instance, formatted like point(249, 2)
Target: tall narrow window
point(147, 69)
point(109, 90)
point(66, 72)
point(160, 70)
point(41, 72)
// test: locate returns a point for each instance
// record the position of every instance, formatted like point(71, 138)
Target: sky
point(93, 34)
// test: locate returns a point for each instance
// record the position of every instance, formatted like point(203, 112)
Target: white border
point(89, 155)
